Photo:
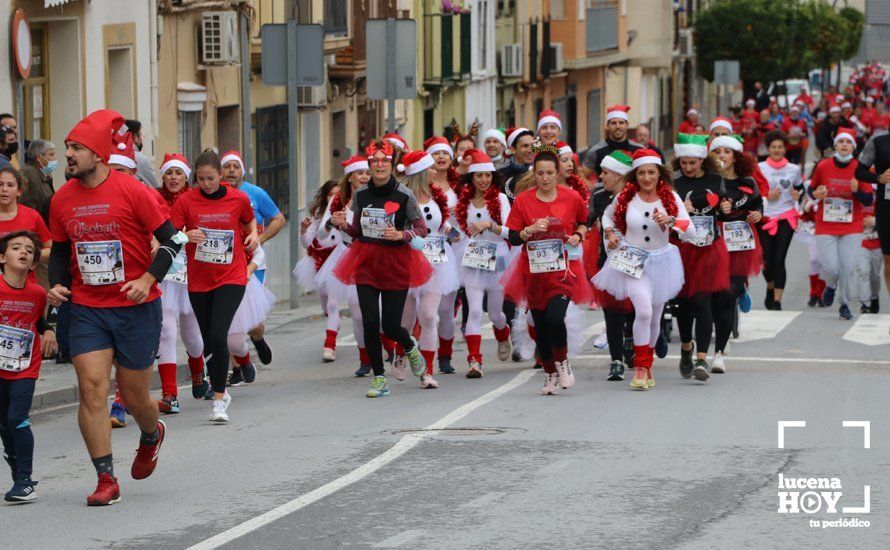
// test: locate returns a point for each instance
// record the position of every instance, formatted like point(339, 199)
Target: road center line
point(405, 444)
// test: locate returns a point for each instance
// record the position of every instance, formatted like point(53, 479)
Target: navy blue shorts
point(133, 332)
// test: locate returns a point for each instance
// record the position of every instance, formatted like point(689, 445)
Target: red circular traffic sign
point(21, 43)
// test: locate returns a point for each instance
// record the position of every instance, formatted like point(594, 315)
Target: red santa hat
point(617, 111)
point(416, 162)
point(514, 133)
point(175, 160)
point(480, 162)
point(750, 102)
point(834, 108)
point(563, 148)
point(794, 108)
point(869, 99)
point(354, 164)
point(691, 111)
point(720, 122)
point(548, 117)
point(123, 153)
point(232, 156)
point(95, 131)
point(646, 156)
point(436, 144)
point(845, 133)
point(397, 140)
point(494, 133)
point(839, 98)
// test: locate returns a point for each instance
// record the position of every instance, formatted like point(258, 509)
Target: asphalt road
point(309, 462)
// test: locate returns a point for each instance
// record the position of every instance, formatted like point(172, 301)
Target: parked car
point(786, 91)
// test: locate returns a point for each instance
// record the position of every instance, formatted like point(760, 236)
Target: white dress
point(325, 281)
point(174, 287)
point(663, 270)
point(481, 278)
point(446, 278)
point(304, 272)
point(258, 301)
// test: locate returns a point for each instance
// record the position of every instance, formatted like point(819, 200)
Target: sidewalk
point(57, 384)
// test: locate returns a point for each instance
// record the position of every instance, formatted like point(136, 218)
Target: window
point(335, 13)
point(602, 25)
point(482, 46)
point(557, 9)
point(119, 90)
point(271, 153)
point(190, 133)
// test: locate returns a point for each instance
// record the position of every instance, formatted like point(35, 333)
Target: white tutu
point(304, 272)
point(663, 273)
point(255, 306)
point(175, 297)
point(327, 283)
point(445, 279)
point(482, 279)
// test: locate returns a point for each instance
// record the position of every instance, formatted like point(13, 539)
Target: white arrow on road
point(760, 324)
point(871, 330)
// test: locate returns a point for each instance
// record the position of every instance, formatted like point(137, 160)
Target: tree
point(774, 40)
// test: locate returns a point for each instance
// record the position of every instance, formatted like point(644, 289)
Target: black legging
point(369, 301)
point(214, 311)
point(775, 249)
point(697, 309)
point(724, 309)
point(619, 325)
point(550, 324)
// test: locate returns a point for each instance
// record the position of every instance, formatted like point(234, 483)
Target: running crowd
point(420, 244)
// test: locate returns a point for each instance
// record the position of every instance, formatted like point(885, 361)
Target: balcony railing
point(601, 26)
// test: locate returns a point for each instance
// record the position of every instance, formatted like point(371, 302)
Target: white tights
point(647, 320)
point(495, 308)
point(425, 308)
point(189, 331)
point(331, 308)
point(446, 316)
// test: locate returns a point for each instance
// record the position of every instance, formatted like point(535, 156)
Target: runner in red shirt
point(102, 223)
point(549, 222)
point(214, 217)
point(22, 304)
point(17, 217)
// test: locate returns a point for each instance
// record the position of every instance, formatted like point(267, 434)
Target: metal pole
point(20, 118)
point(391, 72)
point(246, 134)
point(293, 150)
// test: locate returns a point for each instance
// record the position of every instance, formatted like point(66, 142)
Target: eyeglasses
point(384, 160)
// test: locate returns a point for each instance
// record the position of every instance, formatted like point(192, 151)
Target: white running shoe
point(601, 342)
point(328, 355)
point(474, 370)
point(400, 367)
point(218, 409)
point(566, 376)
point(427, 382)
point(504, 350)
point(551, 384)
point(717, 364)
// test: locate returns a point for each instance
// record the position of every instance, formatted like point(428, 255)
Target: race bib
point(15, 348)
point(545, 256)
point(178, 272)
point(217, 248)
point(374, 222)
point(703, 231)
point(887, 192)
point(629, 260)
point(434, 249)
point(870, 234)
point(837, 210)
point(738, 236)
point(100, 262)
point(480, 255)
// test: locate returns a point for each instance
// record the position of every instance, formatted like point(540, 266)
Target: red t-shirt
point(20, 308)
point(564, 214)
point(837, 180)
point(221, 259)
point(686, 127)
point(26, 219)
point(110, 229)
point(796, 130)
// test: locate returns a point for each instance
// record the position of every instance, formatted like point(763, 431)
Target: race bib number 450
point(738, 236)
point(16, 346)
point(217, 248)
point(100, 262)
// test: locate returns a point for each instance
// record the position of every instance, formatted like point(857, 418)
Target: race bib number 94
point(100, 262)
point(15, 348)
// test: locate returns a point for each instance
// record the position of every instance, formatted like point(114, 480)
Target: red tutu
point(535, 290)
point(591, 248)
point(384, 267)
point(706, 268)
point(746, 263)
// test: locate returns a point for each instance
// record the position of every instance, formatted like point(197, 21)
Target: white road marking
point(405, 444)
point(760, 324)
point(398, 540)
point(871, 330)
point(819, 360)
point(483, 501)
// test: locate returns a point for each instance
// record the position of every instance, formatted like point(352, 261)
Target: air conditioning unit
point(219, 38)
point(556, 62)
point(511, 60)
point(685, 47)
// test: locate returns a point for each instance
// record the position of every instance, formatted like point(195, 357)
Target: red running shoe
point(147, 455)
point(108, 492)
